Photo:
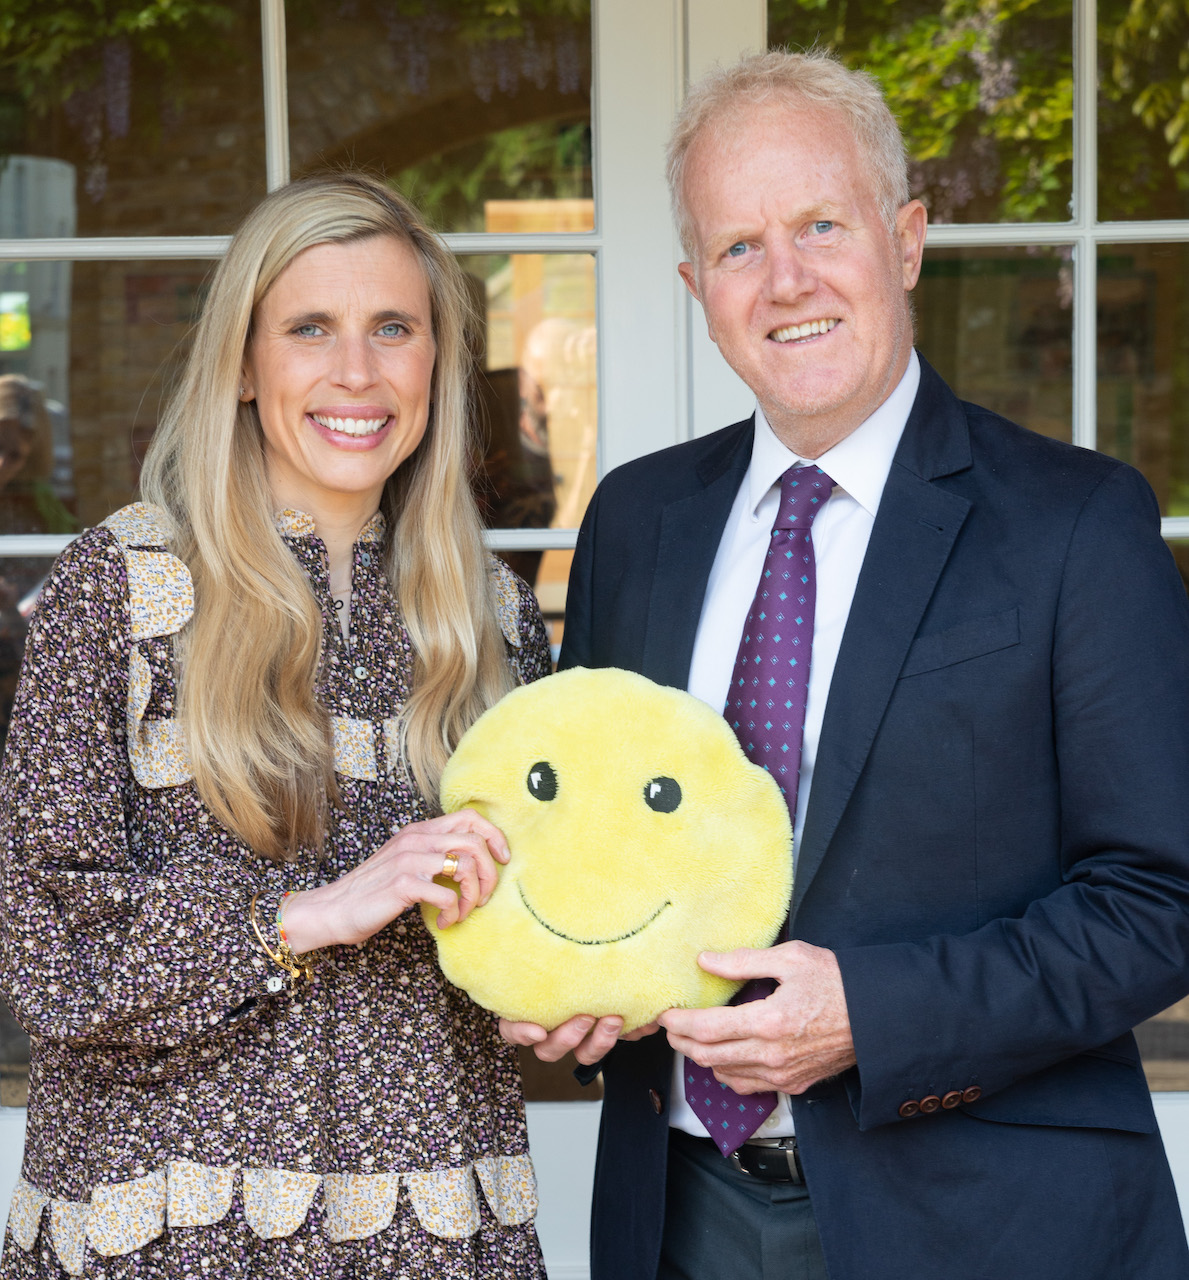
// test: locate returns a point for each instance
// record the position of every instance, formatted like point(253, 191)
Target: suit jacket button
point(930, 1104)
point(909, 1109)
point(658, 1103)
point(972, 1094)
point(951, 1099)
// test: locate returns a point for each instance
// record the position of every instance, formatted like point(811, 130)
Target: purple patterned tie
point(766, 708)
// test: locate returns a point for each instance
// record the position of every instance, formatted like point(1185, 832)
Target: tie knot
point(803, 493)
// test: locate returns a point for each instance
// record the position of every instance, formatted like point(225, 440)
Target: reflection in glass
point(997, 324)
point(109, 126)
point(1143, 110)
point(458, 103)
point(105, 340)
point(1143, 364)
point(983, 90)
point(537, 396)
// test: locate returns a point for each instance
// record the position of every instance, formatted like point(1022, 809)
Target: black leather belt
point(770, 1159)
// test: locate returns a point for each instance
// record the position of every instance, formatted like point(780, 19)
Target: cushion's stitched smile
point(588, 942)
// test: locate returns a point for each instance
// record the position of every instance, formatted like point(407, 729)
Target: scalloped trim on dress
point(161, 595)
point(122, 1217)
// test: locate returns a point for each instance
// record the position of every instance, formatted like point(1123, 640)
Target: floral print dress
point(192, 1112)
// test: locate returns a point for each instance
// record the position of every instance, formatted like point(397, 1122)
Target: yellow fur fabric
point(640, 835)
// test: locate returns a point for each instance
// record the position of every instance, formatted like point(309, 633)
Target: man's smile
point(799, 332)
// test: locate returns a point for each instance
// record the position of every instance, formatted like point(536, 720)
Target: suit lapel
point(913, 534)
point(690, 530)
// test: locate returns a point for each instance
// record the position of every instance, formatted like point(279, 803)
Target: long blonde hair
point(258, 740)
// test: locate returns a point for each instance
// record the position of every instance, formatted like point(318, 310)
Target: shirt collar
point(859, 463)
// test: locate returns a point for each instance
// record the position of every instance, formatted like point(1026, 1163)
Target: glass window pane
point(983, 90)
point(1143, 110)
point(538, 400)
point(458, 103)
point(114, 127)
point(102, 342)
point(997, 324)
point(1143, 364)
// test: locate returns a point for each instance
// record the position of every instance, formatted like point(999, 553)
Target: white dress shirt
point(859, 467)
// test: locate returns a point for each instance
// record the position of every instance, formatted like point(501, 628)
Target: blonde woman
point(218, 800)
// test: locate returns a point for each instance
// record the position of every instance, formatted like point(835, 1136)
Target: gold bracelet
point(297, 967)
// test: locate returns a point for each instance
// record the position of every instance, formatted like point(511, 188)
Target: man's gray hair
point(816, 80)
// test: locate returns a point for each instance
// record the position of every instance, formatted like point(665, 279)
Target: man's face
point(804, 289)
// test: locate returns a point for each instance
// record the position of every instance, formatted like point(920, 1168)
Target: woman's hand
point(588, 1038)
point(400, 873)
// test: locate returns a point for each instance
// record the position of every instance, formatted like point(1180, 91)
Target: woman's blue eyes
point(736, 250)
point(393, 330)
point(822, 226)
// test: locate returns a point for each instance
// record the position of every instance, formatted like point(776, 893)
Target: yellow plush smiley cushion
point(640, 835)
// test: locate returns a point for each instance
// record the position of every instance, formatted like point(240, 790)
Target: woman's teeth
point(793, 332)
point(350, 426)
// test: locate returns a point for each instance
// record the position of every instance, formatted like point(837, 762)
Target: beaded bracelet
point(297, 967)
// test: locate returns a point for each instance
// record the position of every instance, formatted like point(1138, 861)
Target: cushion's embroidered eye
point(542, 781)
point(662, 794)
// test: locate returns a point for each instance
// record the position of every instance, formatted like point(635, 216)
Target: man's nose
point(791, 274)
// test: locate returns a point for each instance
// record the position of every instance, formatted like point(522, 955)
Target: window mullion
point(1085, 206)
point(276, 96)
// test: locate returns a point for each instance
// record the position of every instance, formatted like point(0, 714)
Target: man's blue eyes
point(823, 226)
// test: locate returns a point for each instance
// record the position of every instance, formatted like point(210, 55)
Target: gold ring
point(450, 866)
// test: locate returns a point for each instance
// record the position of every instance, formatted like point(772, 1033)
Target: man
point(992, 815)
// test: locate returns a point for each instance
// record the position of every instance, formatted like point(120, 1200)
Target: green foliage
point(48, 47)
point(983, 90)
point(534, 161)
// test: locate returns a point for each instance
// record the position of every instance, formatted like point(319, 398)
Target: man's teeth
point(790, 333)
point(350, 426)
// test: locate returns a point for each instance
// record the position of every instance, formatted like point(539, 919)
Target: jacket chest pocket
point(961, 643)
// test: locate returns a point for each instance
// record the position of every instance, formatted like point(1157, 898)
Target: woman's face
point(15, 446)
point(340, 364)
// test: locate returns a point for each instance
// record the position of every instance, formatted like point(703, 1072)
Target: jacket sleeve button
point(930, 1104)
point(972, 1094)
point(909, 1109)
point(951, 1099)
point(658, 1103)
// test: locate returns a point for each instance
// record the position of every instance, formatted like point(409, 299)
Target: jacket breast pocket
point(971, 639)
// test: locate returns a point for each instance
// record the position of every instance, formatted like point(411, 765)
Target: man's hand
point(589, 1039)
point(797, 1036)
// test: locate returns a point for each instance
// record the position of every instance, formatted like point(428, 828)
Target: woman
point(217, 800)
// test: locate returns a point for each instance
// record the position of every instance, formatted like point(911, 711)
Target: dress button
point(658, 1103)
point(951, 1099)
point(365, 558)
point(275, 984)
point(360, 672)
point(909, 1109)
point(930, 1104)
point(972, 1094)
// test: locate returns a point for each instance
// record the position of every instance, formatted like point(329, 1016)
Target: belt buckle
point(786, 1146)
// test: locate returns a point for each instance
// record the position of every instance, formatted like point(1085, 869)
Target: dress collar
point(297, 524)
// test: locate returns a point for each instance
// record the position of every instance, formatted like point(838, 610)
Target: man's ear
point(686, 271)
point(911, 223)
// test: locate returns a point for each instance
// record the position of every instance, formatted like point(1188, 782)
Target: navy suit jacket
point(996, 847)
